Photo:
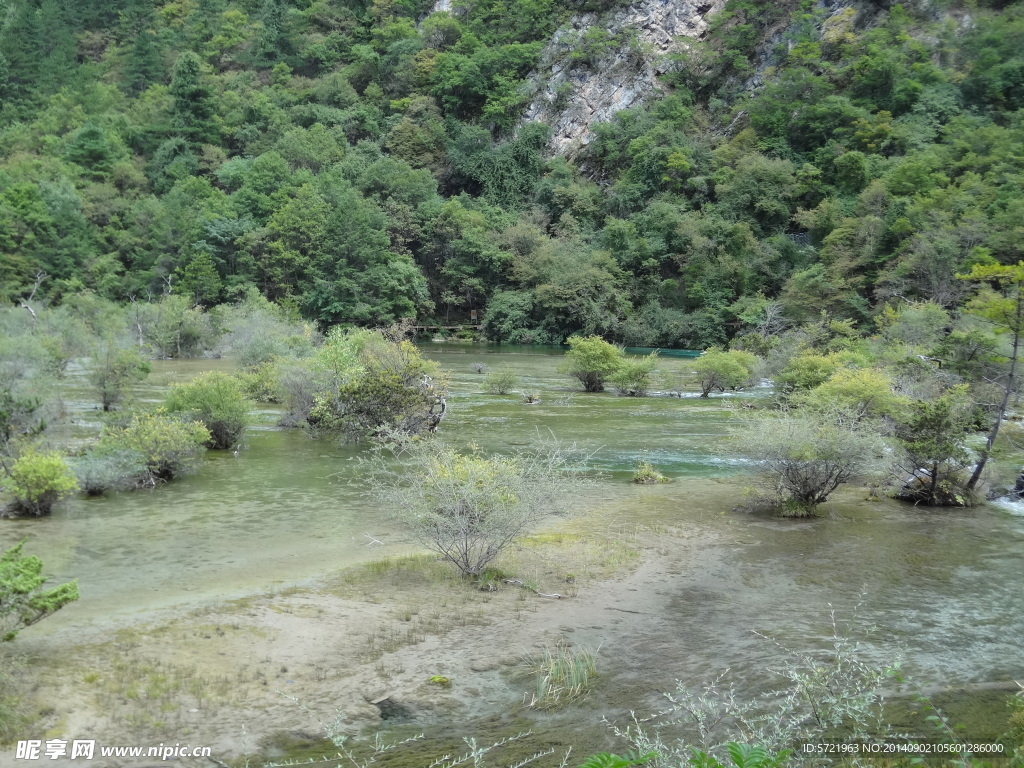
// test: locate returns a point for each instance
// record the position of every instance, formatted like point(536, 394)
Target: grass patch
point(561, 562)
point(563, 675)
point(15, 714)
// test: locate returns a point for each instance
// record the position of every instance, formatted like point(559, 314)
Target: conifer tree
point(143, 66)
point(21, 44)
point(58, 47)
point(192, 111)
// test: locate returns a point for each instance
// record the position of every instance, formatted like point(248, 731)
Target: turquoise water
point(943, 586)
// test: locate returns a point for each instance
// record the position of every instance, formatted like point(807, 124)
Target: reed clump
point(563, 675)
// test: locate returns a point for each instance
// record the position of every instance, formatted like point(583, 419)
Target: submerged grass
point(563, 675)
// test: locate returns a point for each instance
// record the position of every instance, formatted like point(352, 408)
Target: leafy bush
point(864, 392)
point(371, 386)
point(175, 327)
point(501, 382)
point(804, 457)
point(217, 400)
point(591, 361)
point(633, 378)
point(169, 446)
point(260, 331)
point(19, 417)
point(38, 481)
point(101, 470)
point(113, 370)
point(717, 369)
point(261, 383)
point(468, 508)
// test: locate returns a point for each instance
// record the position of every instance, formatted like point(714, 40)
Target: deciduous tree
point(469, 508)
point(1003, 307)
point(591, 361)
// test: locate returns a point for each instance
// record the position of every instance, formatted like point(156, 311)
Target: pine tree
point(205, 21)
point(58, 47)
point(144, 65)
point(193, 109)
point(22, 47)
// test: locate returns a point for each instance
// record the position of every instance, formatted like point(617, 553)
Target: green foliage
point(591, 361)
point(104, 469)
point(37, 481)
point(23, 601)
point(468, 508)
point(368, 163)
point(112, 370)
point(374, 386)
point(193, 111)
point(807, 371)
point(742, 756)
point(721, 370)
point(18, 418)
point(633, 377)
point(501, 382)
point(932, 435)
point(608, 760)
point(805, 456)
point(175, 327)
point(863, 392)
point(169, 446)
point(216, 400)
point(647, 474)
point(563, 675)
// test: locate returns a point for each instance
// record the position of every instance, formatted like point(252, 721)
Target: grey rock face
point(571, 96)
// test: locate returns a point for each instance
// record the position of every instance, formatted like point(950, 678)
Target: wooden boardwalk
point(447, 327)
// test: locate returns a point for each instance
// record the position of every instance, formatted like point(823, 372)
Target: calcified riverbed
point(942, 589)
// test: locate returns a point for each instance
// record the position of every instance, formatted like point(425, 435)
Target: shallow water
point(942, 587)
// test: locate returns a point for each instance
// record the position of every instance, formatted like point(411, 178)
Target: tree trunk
point(1011, 387)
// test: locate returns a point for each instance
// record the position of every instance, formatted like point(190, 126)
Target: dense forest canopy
point(364, 162)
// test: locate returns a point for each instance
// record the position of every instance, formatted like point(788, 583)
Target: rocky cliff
point(599, 64)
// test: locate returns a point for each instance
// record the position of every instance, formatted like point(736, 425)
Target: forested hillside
point(363, 162)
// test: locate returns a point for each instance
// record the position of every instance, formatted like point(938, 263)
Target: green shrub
point(112, 371)
point(633, 378)
point(169, 446)
point(176, 328)
point(260, 332)
point(716, 369)
point(261, 383)
point(469, 508)
point(367, 385)
point(647, 474)
point(591, 361)
point(217, 400)
point(38, 481)
point(501, 382)
point(102, 470)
